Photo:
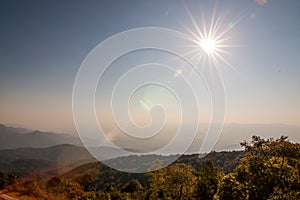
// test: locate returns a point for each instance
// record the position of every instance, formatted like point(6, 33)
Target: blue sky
point(43, 44)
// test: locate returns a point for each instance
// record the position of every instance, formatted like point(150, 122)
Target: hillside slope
point(54, 159)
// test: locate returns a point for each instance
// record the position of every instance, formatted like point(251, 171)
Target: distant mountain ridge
point(232, 134)
point(5, 128)
point(12, 138)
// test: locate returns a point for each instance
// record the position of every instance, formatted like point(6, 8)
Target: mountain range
point(232, 134)
point(12, 138)
point(28, 152)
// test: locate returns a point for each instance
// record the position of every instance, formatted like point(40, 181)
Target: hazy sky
point(43, 43)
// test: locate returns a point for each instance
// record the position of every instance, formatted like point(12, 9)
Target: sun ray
point(194, 22)
point(211, 41)
point(203, 26)
point(192, 33)
point(212, 20)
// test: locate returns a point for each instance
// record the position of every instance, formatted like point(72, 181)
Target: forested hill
point(226, 161)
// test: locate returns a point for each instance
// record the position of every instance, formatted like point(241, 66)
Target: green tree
point(62, 188)
point(229, 188)
point(176, 181)
point(85, 180)
point(132, 186)
point(208, 178)
point(270, 168)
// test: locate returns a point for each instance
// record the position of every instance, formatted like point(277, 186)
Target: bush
point(64, 188)
point(28, 187)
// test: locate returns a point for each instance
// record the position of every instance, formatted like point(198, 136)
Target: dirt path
point(6, 197)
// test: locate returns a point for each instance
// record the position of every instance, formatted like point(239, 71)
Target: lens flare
point(231, 24)
point(144, 105)
point(261, 2)
point(178, 72)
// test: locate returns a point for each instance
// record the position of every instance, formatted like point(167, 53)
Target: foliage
point(229, 188)
point(176, 181)
point(132, 186)
point(64, 188)
point(85, 180)
point(7, 179)
point(269, 171)
point(208, 178)
point(28, 187)
point(224, 160)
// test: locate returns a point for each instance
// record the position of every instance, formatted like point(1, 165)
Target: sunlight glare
point(208, 45)
point(211, 40)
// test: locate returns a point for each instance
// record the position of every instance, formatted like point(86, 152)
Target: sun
point(208, 45)
point(210, 40)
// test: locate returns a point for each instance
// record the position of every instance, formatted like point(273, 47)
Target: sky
point(43, 44)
